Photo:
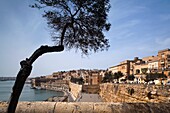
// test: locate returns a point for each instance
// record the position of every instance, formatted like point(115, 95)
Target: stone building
point(151, 64)
point(124, 67)
point(164, 61)
point(94, 78)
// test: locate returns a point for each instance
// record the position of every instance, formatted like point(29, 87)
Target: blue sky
point(139, 28)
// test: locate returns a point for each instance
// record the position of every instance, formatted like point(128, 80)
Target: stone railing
point(87, 107)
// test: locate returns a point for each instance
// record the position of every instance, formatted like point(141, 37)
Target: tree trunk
point(25, 70)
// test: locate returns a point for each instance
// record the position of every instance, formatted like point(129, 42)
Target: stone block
point(3, 107)
point(77, 107)
point(35, 107)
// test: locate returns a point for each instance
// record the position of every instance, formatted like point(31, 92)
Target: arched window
point(137, 71)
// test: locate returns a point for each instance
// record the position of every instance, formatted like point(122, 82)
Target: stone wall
point(58, 85)
point(75, 89)
point(134, 93)
point(90, 88)
point(87, 107)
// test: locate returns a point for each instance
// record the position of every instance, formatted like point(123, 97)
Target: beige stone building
point(151, 64)
point(94, 78)
point(164, 61)
point(124, 67)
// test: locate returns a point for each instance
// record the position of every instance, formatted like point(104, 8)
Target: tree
point(154, 76)
point(75, 24)
point(130, 77)
point(117, 75)
point(108, 77)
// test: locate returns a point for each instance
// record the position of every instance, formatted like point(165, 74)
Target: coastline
point(63, 98)
point(67, 96)
point(28, 94)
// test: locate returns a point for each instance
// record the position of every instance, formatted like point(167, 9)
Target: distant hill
point(7, 78)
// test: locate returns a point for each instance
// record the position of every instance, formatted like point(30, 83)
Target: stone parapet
point(87, 107)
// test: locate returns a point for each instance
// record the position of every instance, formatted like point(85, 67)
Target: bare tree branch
point(25, 70)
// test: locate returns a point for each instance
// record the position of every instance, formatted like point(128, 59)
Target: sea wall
point(110, 92)
point(75, 89)
point(87, 107)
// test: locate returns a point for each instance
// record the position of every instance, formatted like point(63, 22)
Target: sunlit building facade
point(151, 64)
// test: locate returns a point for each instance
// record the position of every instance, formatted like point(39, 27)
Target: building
point(124, 67)
point(151, 64)
point(94, 78)
point(164, 61)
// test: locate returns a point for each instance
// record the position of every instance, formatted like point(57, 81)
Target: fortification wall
point(87, 107)
point(91, 88)
point(75, 89)
point(134, 93)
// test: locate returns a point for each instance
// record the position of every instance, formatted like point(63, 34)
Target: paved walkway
point(70, 96)
point(90, 98)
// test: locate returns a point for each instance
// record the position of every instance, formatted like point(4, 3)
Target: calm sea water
point(27, 94)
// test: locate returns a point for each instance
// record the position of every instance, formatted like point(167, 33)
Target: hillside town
point(150, 67)
point(129, 80)
point(154, 69)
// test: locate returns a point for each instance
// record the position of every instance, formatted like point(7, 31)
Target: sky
point(139, 28)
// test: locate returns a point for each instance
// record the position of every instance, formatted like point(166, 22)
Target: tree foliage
point(154, 76)
point(118, 75)
point(77, 23)
point(108, 77)
point(130, 77)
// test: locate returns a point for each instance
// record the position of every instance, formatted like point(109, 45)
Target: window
point(137, 71)
point(123, 67)
point(168, 60)
point(168, 56)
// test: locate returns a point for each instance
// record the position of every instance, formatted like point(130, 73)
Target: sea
point(27, 94)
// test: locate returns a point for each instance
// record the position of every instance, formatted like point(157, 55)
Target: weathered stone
point(107, 107)
point(88, 107)
point(35, 107)
point(3, 107)
point(78, 107)
point(121, 93)
point(75, 89)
